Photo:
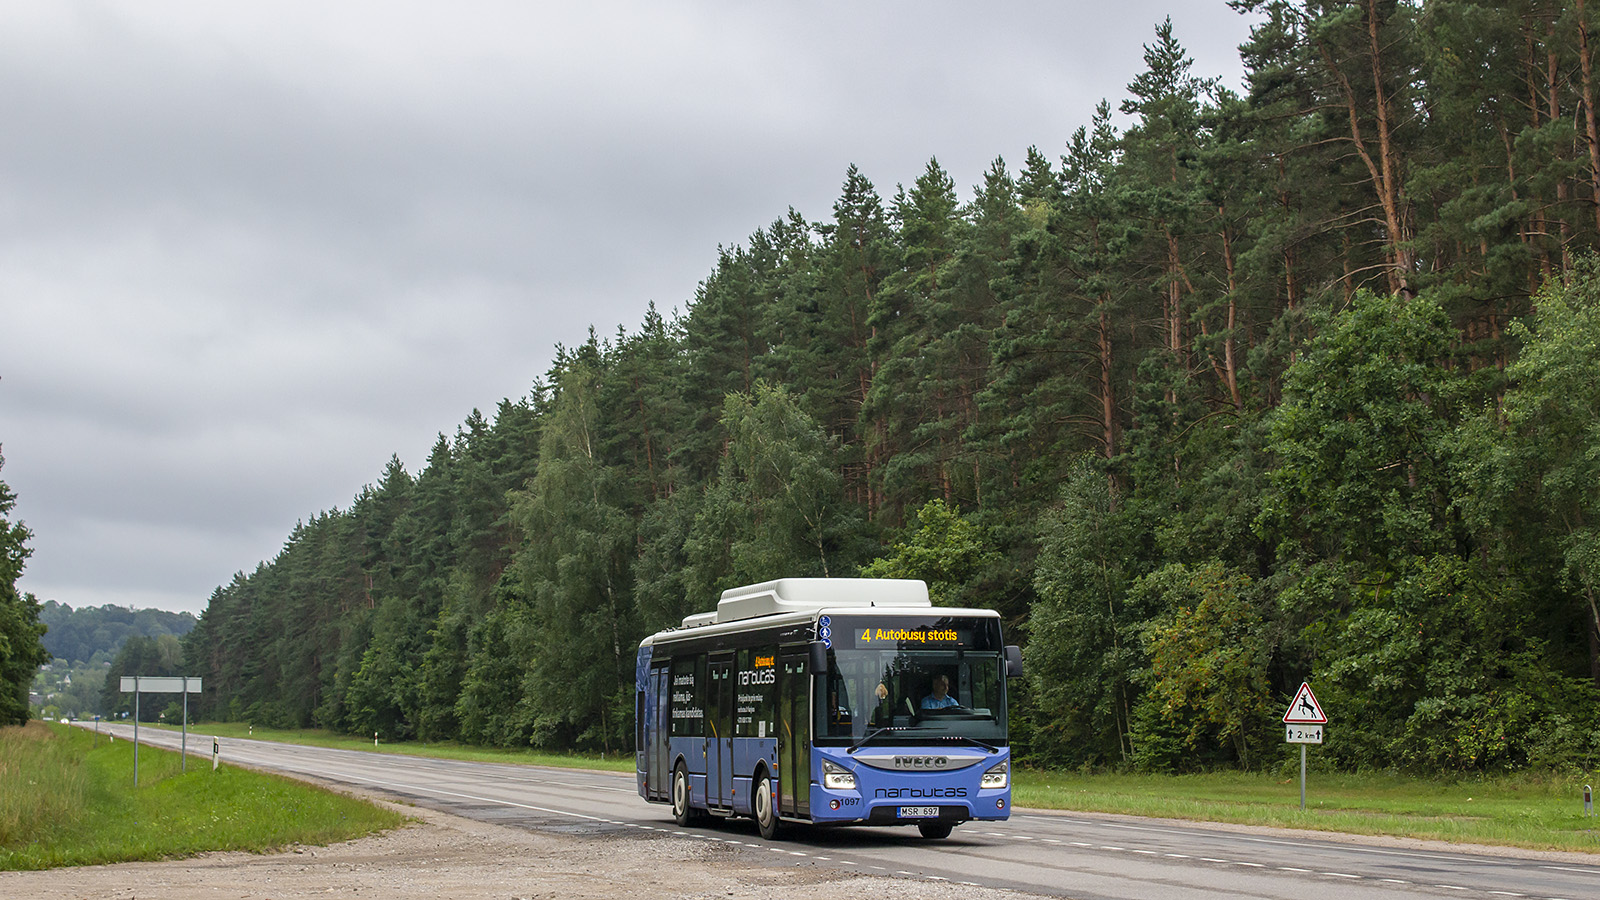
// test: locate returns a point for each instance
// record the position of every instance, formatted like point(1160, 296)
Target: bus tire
point(934, 831)
point(682, 812)
point(766, 812)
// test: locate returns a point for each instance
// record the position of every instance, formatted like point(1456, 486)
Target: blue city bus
point(834, 701)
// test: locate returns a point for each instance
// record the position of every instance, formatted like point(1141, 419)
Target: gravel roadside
point(444, 857)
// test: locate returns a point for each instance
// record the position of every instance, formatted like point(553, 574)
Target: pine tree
point(21, 649)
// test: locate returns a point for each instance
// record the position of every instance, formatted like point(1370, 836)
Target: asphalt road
point(1039, 852)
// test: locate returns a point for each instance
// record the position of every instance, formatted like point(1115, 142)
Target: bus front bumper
point(849, 807)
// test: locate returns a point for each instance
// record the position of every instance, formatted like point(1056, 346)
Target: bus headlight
point(836, 777)
point(998, 776)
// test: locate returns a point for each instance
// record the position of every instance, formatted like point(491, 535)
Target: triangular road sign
point(1304, 709)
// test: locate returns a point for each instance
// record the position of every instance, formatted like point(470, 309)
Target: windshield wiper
point(971, 740)
point(874, 733)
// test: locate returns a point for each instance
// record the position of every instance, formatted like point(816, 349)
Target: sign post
point(1303, 723)
point(182, 684)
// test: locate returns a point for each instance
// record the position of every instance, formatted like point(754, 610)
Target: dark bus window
point(688, 712)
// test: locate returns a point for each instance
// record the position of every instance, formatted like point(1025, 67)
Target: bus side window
point(687, 710)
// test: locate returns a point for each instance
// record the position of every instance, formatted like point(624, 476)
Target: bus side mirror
point(819, 658)
point(1013, 661)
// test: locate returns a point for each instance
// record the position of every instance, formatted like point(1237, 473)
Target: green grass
point(67, 798)
point(314, 737)
point(1541, 812)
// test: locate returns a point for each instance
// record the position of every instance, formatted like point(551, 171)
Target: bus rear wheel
point(933, 831)
point(682, 812)
point(766, 813)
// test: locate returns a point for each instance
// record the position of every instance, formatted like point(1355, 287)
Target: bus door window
point(794, 733)
point(719, 731)
point(658, 735)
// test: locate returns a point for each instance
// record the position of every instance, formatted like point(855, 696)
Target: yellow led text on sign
point(762, 662)
point(928, 636)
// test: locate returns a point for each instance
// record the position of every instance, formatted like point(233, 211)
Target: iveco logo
point(921, 762)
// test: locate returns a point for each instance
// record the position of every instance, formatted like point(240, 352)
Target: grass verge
point(67, 798)
point(1538, 812)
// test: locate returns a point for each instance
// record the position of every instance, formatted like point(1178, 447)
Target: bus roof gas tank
point(792, 595)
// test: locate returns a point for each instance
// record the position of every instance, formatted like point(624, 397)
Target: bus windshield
point(903, 683)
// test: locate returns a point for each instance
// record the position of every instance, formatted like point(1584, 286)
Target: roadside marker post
point(1303, 722)
point(1588, 800)
point(216, 752)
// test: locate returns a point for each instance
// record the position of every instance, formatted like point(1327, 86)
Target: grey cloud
point(249, 251)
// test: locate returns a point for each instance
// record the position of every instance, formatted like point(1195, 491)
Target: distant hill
point(76, 635)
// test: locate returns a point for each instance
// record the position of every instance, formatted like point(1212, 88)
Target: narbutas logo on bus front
point(919, 793)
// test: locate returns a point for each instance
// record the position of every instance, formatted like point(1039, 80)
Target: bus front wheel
point(766, 813)
point(934, 830)
point(682, 812)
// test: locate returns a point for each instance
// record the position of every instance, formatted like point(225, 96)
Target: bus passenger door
point(794, 734)
point(658, 738)
point(719, 733)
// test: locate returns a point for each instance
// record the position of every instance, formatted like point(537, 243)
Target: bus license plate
point(919, 812)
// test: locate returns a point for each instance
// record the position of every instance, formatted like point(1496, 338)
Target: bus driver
point(940, 698)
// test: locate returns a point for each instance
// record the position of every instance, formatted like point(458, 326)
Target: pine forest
point(1237, 389)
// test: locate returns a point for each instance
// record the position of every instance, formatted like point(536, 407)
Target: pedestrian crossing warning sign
point(1304, 709)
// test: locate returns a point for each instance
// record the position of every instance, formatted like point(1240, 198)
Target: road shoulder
point(445, 857)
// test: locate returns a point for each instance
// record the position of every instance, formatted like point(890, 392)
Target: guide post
point(1303, 723)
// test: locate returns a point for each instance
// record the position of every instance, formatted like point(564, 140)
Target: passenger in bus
point(940, 698)
point(883, 711)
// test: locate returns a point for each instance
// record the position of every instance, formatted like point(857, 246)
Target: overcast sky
point(250, 251)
